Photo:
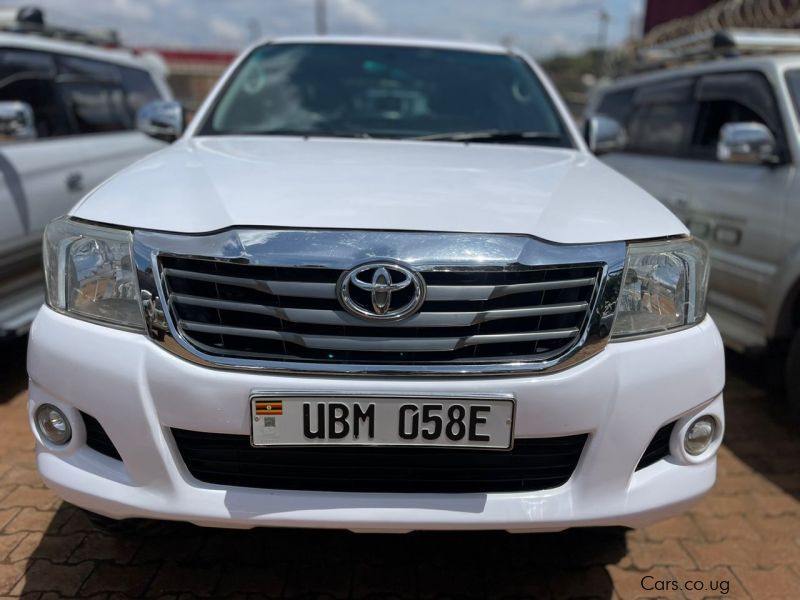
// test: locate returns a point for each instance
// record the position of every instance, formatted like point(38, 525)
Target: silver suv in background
point(717, 143)
point(67, 122)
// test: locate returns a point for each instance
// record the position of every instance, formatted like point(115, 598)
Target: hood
point(205, 184)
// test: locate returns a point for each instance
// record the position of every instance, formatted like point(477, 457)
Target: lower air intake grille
point(658, 447)
point(533, 464)
point(97, 439)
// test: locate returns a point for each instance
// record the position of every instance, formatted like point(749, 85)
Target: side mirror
point(161, 119)
point(747, 143)
point(16, 121)
point(604, 134)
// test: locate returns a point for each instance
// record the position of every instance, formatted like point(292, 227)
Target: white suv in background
point(67, 122)
point(718, 144)
point(379, 285)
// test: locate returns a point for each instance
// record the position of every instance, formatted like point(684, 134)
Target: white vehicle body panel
point(564, 196)
point(138, 391)
point(56, 173)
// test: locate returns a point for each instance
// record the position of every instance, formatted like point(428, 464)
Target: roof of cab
point(392, 41)
point(119, 56)
point(764, 63)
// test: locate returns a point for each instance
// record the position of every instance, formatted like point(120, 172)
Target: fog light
point(700, 435)
point(53, 425)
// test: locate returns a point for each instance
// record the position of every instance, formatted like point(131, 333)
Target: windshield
point(386, 92)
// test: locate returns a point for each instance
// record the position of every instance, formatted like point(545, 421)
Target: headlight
point(663, 287)
point(89, 273)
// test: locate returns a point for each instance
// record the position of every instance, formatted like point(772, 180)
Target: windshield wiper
point(310, 134)
point(490, 135)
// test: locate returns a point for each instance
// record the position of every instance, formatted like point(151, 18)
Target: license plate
point(467, 422)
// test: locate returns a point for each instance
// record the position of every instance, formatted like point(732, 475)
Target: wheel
point(793, 376)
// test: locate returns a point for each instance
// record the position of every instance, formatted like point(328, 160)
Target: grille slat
point(338, 317)
point(380, 344)
point(305, 289)
point(470, 315)
point(533, 464)
point(489, 292)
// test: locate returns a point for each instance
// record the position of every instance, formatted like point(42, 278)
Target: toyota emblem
point(381, 291)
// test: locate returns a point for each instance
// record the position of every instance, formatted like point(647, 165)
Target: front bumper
point(138, 392)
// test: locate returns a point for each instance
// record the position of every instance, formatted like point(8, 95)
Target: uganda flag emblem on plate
point(267, 408)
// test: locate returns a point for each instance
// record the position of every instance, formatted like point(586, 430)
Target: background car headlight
point(663, 287)
point(89, 273)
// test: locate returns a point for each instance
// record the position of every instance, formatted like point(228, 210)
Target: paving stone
point(97, 546)
point(649, 554)
point(317, 579)
point(680, 527)
point(130, 580)
point(8, 542)
point(25, 495)
point(44, 576)
point(385, 580)
point(197, 579)
point(10, 574)
point(6, 514)
point(780, 582)
point(728, 528)
point(55, 548)
point(30, 519)
point(267, 580)
point(22, 475)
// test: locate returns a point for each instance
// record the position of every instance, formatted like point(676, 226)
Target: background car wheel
point(793, 376)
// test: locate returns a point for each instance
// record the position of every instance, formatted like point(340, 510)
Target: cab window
point(736, 97)
point(93, 95)
point(662, 118)
point(139, 88)
point(28, 76)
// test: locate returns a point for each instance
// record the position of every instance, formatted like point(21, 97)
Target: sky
point(542, 27)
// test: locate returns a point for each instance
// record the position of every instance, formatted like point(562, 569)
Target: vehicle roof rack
point(709, 45)
point(30, 20)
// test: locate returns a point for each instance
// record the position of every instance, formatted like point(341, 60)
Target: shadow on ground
point(13, 374)
point(293, 563)
point(759, 430)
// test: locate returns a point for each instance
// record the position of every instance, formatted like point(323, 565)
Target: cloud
point(358, 13)
point(534, 25)
point(549, 6)
point(128, 9)
point(226, 29)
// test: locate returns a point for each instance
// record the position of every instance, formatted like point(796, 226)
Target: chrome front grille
point(293, 314)
point(268, 300)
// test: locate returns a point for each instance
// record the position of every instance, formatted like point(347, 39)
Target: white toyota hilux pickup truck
point(379, 285)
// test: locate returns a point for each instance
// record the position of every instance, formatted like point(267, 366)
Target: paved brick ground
point(744, 538)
